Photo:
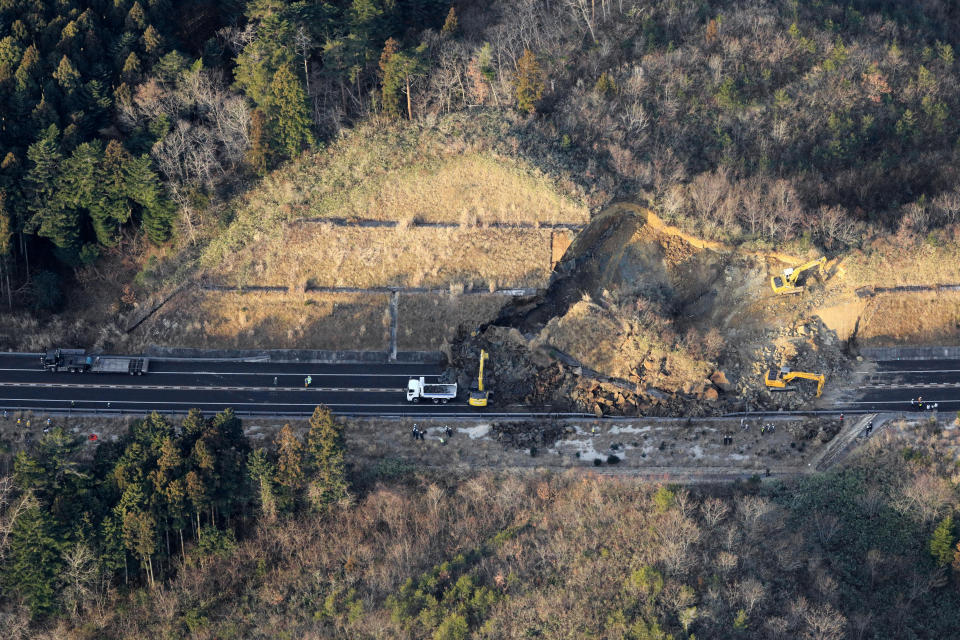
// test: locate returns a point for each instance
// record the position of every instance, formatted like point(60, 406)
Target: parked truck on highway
point(77, 361)
point(418, 389)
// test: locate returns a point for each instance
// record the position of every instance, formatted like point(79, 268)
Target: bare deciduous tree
point(12, 506)
point(925, 496)
point(823, 622)
point(750, 592)
point(826, 526)
point(79, 577)
point(714, 510)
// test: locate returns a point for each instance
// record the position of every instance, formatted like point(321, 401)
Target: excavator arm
point(480, 397)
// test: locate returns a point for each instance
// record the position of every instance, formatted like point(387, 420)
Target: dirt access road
point(659, 449)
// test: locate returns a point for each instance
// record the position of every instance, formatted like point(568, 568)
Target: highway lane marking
point(267, 373)
point(230, 404)
point(288, 373)
point(893, 371)
point(903, 402)
point(918, 385)
point(53, 385)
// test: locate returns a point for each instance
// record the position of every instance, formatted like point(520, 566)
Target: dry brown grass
point(912, 318)
point(394, 174)
point(896, 262)
point(475, 187)
point(325, 255)
point(270, 320)
point(426, 321)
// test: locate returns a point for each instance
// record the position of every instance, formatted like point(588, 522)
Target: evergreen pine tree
point(10, 54)
point(49, 216)
point(80, 187)
point(291, 121)
point(528, 84)
point(262, 472)
point(290, 475)
point(941, 543)
point(142, 186)
point(325, 449)
point(131, 68)
point(261, 60)
point(28, 73)
point(152, 42)
point(35, 561)
point(67, 75)
point(399, 72)
point(450, 25)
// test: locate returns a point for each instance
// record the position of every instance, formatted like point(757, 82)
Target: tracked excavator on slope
point(780, 379)
point(788, 281)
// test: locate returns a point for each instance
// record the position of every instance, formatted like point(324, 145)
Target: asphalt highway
point(213, 385)
point(263, 387)
point(895, 383)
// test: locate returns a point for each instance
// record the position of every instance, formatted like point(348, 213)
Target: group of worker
point(417, 433)
point(768, 428)
point(919, 405)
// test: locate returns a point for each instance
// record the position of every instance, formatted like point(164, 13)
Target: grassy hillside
point(446, 173)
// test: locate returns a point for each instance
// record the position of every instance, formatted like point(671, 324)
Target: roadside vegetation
point(82, 519)
point(289, 545)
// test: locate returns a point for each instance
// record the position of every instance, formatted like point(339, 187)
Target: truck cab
point(413, 390)
point(70, 359)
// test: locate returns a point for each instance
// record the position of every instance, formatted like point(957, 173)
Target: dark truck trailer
point(77, 361)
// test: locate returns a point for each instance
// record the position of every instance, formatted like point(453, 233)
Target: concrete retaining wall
point(299, 355)
point(911, 353)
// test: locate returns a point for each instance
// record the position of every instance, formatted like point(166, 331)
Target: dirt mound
point(642, 318)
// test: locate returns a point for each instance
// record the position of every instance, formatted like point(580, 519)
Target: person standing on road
point(274, 380)
point(307, 381)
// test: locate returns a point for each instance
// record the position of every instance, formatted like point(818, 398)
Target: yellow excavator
point(779, 379)
point(787, 281)
point(479, 397)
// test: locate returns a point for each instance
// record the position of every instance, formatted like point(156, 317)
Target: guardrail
point(466, 415)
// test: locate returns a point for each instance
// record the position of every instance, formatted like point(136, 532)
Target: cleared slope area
point(306, 226)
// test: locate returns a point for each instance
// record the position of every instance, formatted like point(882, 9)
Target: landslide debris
point(640, 318)
point(528, 434)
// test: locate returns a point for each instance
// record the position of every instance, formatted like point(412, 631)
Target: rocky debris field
point(642, 319)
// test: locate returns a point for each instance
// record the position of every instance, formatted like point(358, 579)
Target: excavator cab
point(780, 379)
point(788, 281)
point(479, 397)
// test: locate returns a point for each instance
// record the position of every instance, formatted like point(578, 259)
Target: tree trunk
point(409, 106)
point(183, 552)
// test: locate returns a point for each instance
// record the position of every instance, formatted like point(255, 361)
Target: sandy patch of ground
point(911, 318)
point(331, 256)
point(269, 320)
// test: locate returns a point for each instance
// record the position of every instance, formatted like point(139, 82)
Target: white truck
point(418, 389)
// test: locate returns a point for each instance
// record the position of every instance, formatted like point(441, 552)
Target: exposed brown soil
point(642, 318)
